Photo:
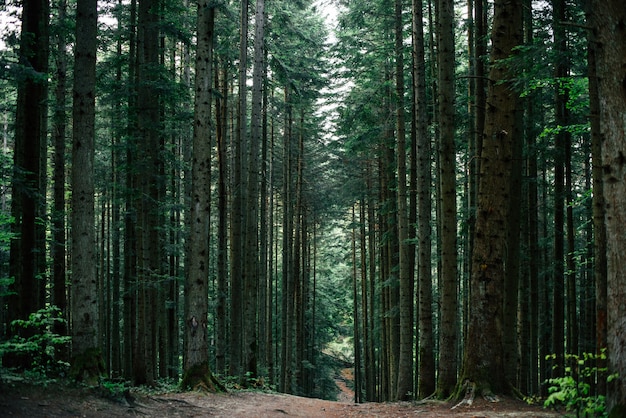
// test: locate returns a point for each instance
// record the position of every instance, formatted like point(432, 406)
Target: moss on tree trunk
point(199, 377)
point(87, 367)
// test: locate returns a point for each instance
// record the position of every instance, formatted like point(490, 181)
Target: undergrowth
point(575, 390)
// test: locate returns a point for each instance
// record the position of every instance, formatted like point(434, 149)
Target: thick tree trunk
point(483, 360)
point(86, 358)
point(609, 25)
point(27, 195)
point(148, 182)
point(448, 220)
point(196, 360)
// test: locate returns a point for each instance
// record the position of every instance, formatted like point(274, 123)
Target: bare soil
point(22, 399)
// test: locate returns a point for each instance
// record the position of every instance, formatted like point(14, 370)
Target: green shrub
point(574, 390)
point(34, 340)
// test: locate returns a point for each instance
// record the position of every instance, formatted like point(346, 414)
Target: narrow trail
point(346, 394)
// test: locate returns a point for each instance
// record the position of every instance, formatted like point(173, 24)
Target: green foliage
point(114, 389)
point(5, 239)
point(34, 339)
point(573, 390)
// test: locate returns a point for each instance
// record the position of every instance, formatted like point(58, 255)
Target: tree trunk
point(391, 256)
point(561, 139)
point(405, 362)
point(148, 183)
point(286, 371)
point(372, 371)
point(237, 222)
point(483, 359)
point(57, 248)
point(609, 25)
point(533, 222)
point(367, 375)
point(27, 195)
point(356, 333)
point(196, 364)
point(252, 197)
point(599, 227)
point(448, 220)
point(86, 362)
point(512, 262)
point(222, 228)
point(426, 357)
point(130, 221)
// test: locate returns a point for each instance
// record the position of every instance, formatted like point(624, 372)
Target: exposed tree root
point(201, 379)
point(470, 394)
point(87, 367)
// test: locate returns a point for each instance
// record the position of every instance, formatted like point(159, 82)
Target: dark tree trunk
point(609, 25)
point(237, 222)
point(58, 248)
point(86, 357)
point(196, 361)
point(599, 227)
point(426, 356)
point(483, 361)
point(404, 389)
point(448, 217)
point(561, 140)
point(28, 194)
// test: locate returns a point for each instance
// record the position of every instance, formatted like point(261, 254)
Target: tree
point(58, 247)
point(86, 357)
point(28, 191)
point(148, 181)
point(599, 226)
point(196, 359)
point(447, 200)
point(608, 22)
point(426, 356)
point(558, 322)
point(252, 196)
point(238, 202)
point(405, 363)
point(483, 359)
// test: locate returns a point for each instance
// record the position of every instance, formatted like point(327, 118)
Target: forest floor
point(19, 398)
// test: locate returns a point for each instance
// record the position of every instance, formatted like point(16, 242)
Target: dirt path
point(60, 400)
point(346, 394)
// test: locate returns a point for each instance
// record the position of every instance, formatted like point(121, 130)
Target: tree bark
point(196, 361)
point(609, 25)
point(405, 362)
point(58, 246)
point(252, 197)
point(483, 359)
point(222, 228)
point(28, 194)
point(86, 357)
point(448, 220)
point(599, 227)
point(426, 356)
point(560, 142)
point(237, 222)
